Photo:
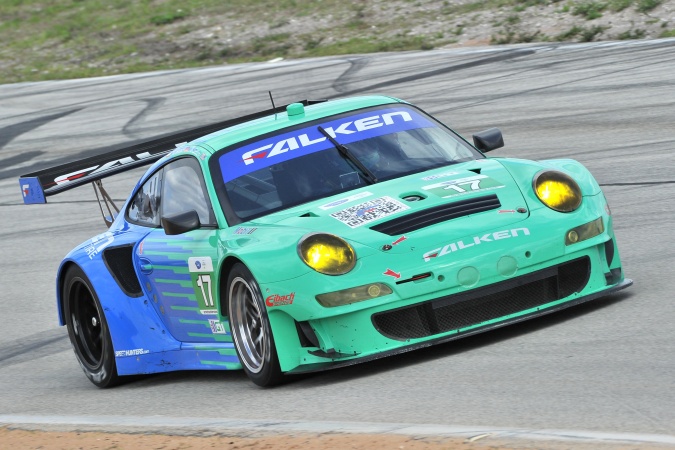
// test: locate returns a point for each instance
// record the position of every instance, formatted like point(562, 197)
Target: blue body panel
point(141, 339)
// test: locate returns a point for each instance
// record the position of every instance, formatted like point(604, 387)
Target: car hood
point(464, 199)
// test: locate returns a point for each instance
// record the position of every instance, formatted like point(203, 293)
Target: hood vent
point(438, 214)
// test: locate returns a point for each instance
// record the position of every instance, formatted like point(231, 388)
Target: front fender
point(523, 172)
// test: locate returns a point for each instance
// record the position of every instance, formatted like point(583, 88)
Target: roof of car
point(238, 133)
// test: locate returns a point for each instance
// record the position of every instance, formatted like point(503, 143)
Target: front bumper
point(384, 329)
point(420, 324)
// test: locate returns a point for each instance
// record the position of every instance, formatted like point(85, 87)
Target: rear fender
point(133, 322)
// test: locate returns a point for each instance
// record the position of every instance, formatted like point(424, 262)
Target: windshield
point(289, 168)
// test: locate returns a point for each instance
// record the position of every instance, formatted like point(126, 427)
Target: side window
point(183, 190)
point(144, 207)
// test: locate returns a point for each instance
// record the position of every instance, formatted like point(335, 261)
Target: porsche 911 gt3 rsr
point(318, 235)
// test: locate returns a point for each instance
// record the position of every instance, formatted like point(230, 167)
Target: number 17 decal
point(475, 185)
point(205, 280)
point(464, 185)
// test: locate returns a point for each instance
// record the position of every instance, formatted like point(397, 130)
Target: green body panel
point(349, 329)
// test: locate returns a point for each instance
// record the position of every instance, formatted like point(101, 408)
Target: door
point(179, 272)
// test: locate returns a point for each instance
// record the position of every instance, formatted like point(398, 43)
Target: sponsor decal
point(204, 284)
point(200, 264)
point(476, 240)
point(342, 201)
point(286, 146)
point(217, 327)
point(399, 240)
point(369, 211)
point(464, 185)
point(140, 247)
point(94, 170)
point(208, 312)
point(25, 188)
point(244, 230)
point(440, 175)
point(134, 352)
point(507, 211)
point(98, 243)
point(391, 273)
point(280, 300)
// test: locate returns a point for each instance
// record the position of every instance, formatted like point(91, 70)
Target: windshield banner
point(303, 141)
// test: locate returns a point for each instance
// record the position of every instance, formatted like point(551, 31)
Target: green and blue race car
point(318, 235)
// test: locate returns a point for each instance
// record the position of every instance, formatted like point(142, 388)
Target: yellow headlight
point(557, 190)
point(327, 253)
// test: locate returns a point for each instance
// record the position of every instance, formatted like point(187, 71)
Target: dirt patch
point(17, 439)
point(50, 440)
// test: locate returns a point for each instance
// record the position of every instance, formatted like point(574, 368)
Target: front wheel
point(251, 330)
point(88, 329)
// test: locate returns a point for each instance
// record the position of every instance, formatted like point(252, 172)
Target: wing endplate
point(31, 190)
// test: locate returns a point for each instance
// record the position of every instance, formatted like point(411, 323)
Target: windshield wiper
point(344, 151)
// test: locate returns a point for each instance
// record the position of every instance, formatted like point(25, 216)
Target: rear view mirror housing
point(181, 223)
point(488, 140)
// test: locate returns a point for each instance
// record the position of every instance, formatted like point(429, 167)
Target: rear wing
point(37, 186)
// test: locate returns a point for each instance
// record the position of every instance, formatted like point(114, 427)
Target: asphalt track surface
point(603, 367)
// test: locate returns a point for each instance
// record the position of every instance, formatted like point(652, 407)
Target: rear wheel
point(251, 330)
point(88, 329)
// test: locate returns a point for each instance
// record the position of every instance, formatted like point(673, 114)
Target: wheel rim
point(248, 328)
point(87, 326)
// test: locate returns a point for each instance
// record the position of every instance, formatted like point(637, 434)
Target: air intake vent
point(442, 213)
point(482, 305)
point(119, 261)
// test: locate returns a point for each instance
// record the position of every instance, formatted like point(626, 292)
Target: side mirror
point(181, 223)
point(487, 140)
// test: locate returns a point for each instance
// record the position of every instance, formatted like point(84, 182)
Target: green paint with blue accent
point(414, 235)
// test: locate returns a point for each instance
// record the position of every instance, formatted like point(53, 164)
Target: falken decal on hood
point(477, 240)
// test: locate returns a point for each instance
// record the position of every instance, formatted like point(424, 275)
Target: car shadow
point(448, 349)
point(195, 377)
point(360, 370)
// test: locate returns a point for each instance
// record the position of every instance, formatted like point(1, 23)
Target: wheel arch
point(60, 279)
point(284, 330)
point(225, 269)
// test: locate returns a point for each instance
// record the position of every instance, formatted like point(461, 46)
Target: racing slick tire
point(251, 330)
point(88, 329)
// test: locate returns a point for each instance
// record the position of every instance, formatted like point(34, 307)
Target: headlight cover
point(327, 253)
point(557, 190)
point(585, 231)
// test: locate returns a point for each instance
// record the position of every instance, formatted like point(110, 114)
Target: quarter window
point(144, 208)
